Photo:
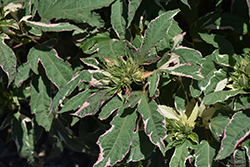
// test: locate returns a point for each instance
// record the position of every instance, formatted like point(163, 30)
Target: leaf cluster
point(131, 83)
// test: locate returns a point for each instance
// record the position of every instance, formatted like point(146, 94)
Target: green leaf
point(41, 100)
point(240, 159)
point(23, 73)
point(218, 123)
point(9, 23)
point(55, 27)
point(64, 91)
point(94, 102)
point(154, 122)
point(153, 81)
point(204, 154)
point(235, 132)
point(180, 155)
point(76, 10)
point(90, 42)
point(221, 96)
point(76, 101)
point(7, 59)
point(187, 55)
point(241, 103)
point(23, 134)
point(110, 49)
point(132, 7)
point(112, 105)
point(186, 3)
point(118, 18)
point(212, 75)
point(133, 99)
point(173, 38)
point(115, 143)
point(141, 147)
point(185, 70)
point(57, 70)
point(92, 62)
point(157, 31)
point(194, 137)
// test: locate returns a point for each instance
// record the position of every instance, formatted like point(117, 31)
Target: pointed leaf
point(186, 3)
point(173, 38)
point(212, 75)
point(57, 70)
point(7, 59)
point(141, 147)
point(56, 27)
point(118, 18)
point(186, 70)
point(235, 132)
point(64, 91)
point(94, 102)
point(92, 62)
point(87, 43)
point(108, 49)
point(9, 23)
point(157, 30)
point(133, 99)
point(76, 101)
point(41, 100)
point(221, 96)
point(23, 73)
point(218, 123)
point(153, 81)
point(187, 55)
point(180, 155)
point(115, 143)
point(169, 112)
point(152, 58)
point(77, 10)
point(240, 159)
point(154, 122)
point(132, 7)
point(23, 135)
point(204, 154)
point(112, 105)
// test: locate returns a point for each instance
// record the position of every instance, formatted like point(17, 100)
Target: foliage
point(145, 83)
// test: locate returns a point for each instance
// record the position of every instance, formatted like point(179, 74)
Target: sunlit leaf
point(115, 143)
point(235, 132)
point(221, 96)
point(154, 122)
point(79, 11)
point(155, 31)
point(57, 70)
point(180, 155)
point(118, 18)
point(94, 102)
point(132, 7)
point(204, 154)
